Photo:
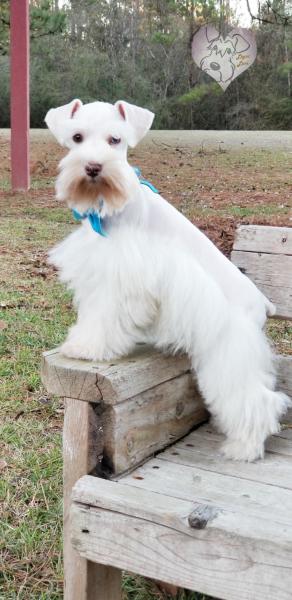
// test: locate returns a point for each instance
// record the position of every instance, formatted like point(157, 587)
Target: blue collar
point(94, 218)
point(144, 181)
point(93, 214)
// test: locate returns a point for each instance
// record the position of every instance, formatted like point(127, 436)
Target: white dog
point(140, 271)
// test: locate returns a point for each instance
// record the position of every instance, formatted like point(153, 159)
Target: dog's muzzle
point(214, 66)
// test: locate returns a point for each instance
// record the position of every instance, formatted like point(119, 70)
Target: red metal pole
point(19, 93)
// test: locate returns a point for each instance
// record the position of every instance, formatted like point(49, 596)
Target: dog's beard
point(115, 185)
point(83, 191)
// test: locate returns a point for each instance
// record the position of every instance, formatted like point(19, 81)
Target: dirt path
point(207, 139)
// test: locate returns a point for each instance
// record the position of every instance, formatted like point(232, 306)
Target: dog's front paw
point(242, 450)
point(83, 351)
point(76, 350)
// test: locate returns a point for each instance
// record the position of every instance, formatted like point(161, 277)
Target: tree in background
point(139, 50)
point(46, 20)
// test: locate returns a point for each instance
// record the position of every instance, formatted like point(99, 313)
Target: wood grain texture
point(69, 378)
point(132, 501)
point(216, 489)
point(277, 444)
point(104, 583)
point(274, 469)
point(195, 519)
point(284, 370)
point(272, 273)
point(110, 382)
point(226, 559)
point(81, 448)
point(139, 427)
point(262, 238)
point(194, 469)
point(175, 512)
point(286, 432)
point(134, 425)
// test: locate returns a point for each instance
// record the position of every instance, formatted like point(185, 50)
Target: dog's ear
point(212, 33)
point(241, 44)
point(138, 119)
point(55, 118)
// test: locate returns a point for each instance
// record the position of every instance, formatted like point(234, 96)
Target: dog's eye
point(77, 137)
point(114, 140)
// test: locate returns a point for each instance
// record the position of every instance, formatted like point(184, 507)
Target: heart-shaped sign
point(224, 58)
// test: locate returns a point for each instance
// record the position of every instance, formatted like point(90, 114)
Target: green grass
point(35, 313)
point(31, 526)
point(137, 588)
point(37, 184)
point(257, 210)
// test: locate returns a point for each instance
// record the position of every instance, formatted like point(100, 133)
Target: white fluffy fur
point(156, 277)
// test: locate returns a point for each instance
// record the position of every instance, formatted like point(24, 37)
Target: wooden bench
point(182, 515)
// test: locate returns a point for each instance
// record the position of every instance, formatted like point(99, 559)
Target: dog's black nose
point(93, 169)
point(215, 66)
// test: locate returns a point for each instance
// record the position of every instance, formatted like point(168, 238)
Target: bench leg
point(83, 580)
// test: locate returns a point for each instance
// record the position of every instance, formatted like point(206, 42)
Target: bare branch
point(278, 18)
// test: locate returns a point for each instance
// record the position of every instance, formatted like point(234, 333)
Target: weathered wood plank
point(286, 432)
point(164, 509)
point(109, 382)
point(277, 444)
point(135, 429)
point(281, 298)
point(104, 583)
point(210, 444)
point(226, 559)
point(262, 238)
point(138, 427)
point(191, 483)
point(266, 270)
point(81, 448)
point(272, 273)
point(135, 502)
point(273, 469)
point(284, 370)
point(75, 464)
point(69, 378)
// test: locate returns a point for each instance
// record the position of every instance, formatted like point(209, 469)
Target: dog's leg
point(237, 379)
point(95, 346)
point(98, 336)
point(110, 322)
point(230, 355)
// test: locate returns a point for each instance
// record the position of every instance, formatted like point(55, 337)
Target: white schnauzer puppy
point(140, 271)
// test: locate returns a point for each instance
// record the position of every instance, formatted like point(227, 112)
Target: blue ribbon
point(94, 218)
point(93, 215)
point(144, 181)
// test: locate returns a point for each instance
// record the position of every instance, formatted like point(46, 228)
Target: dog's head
point(222, 51)
point(97, 136)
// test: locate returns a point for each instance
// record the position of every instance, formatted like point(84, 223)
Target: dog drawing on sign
point(220, 62)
